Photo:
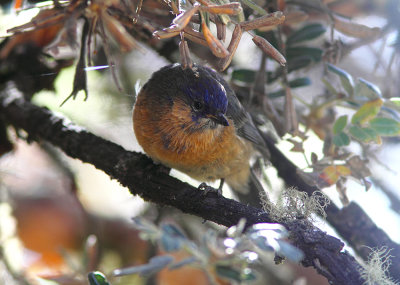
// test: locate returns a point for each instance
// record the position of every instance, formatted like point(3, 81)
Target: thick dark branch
point(351, 222)
point(152, 183)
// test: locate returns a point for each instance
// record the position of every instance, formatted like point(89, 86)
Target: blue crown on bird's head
point(209, 91)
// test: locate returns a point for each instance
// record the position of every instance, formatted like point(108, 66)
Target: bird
point(190, 119)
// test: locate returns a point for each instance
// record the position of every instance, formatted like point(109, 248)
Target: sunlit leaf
point(385, 126)
point(306, 33)
point(97, 278)
point(182, 263)
point(367, 112)
point(340, 124)
point(155, 265)
point(395, 101)
point(313, 53)
point(290, 252)
point(172, 238)
point(332, 173)
point(341, 139)
point(345, 78)
point(364, 134)
point(367, 89)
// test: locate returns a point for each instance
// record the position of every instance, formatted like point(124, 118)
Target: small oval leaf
point(341, 139)
point(340, 124)
point(364, 134)
point(345, 78)
point(244, 75)
point(306, 33)
point(300, 82)
point(97, 278)
point(385, 126)
point(313, 53)
point(367, 112)
point(367, 89)
point(356, 30)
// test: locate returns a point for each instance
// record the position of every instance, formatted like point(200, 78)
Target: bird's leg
point(208, 189)
point(221, 184)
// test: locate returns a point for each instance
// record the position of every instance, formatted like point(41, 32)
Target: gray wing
point(243, 123)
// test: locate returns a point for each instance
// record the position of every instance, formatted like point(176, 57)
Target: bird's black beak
point(220, 119)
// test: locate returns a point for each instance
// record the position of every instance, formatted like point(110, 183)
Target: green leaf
point(300, 82)
point(277, 94)
point(340, 124)
point(295, 83)
point(244, 75)
point(385, 126)
point(345, 78)
point(367, 89)
point(364, 134)
point(341, 139)
point(299, 62)
point(295, 64)
point(97, 278)
point(367, 111)
point(313, 53)
point(306, 33)
point(234, 274)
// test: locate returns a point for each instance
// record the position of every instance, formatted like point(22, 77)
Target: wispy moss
point(293, 204)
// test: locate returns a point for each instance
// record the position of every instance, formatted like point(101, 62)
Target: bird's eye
point(198, 105)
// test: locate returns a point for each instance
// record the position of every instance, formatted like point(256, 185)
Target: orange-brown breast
point(205, 155)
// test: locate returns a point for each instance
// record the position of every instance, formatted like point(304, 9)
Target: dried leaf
point(236, 36)
point(269, 49)
point(118, 32)
point(272, 19)
point(358, 167)
point(183, 19)
point(355, 30)
point(216, 47)
point(185, 55)
point(291, 123)
point(295, 17)
point(233, 8)
point(331, 174)
point(297, 146)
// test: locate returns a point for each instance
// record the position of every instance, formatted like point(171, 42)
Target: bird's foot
point(208, 189)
